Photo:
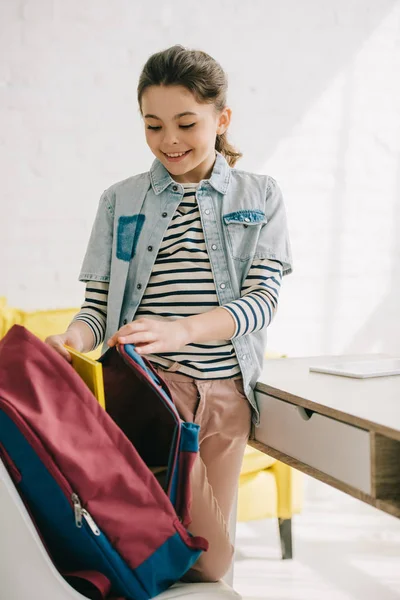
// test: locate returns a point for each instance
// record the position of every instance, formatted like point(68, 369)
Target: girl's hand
point(151, 336)
point(70, 338)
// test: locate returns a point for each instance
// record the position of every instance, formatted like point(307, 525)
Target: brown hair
point(200, 74)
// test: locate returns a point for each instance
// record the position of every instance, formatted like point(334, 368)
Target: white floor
point(343, 550)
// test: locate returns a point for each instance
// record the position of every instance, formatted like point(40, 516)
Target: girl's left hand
point(151, 336)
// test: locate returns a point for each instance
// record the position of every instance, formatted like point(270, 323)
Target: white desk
point(343, 431)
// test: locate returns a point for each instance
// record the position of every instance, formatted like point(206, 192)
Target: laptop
point(377, 367)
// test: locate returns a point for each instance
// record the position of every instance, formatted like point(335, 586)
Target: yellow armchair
point(267, 487)
point(40, 322)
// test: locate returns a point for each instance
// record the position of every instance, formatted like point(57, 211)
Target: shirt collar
point(220, 176)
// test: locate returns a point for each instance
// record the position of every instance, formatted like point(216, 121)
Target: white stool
point(27, 573)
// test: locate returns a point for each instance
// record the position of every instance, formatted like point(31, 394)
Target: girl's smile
point(177, 156)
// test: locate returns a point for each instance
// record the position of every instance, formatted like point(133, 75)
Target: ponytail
point(227, 150)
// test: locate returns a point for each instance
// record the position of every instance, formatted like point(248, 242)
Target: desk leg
point(285, 532)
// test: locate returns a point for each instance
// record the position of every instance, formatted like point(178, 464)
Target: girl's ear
point(224, 119)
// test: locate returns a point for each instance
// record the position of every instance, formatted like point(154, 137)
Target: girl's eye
point(156, 128)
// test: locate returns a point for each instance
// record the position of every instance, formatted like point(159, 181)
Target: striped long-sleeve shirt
point(182, 284)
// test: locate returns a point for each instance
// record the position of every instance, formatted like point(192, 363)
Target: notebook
point(91, 371)
point(379, 367)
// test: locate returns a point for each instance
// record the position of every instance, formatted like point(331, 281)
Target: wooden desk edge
point(263, 388)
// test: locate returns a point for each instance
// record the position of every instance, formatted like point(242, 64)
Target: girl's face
point(181, 132)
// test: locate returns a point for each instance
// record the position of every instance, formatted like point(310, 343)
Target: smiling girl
point(185, 261)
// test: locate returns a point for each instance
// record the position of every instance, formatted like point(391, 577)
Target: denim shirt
point(243, 218)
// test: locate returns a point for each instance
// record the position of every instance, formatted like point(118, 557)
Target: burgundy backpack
point(86, 474)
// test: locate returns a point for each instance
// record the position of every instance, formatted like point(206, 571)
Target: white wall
point(315, 89)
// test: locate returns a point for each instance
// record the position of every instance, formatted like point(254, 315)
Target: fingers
point(152, 348)
point(64, 353)
point(137, 338)
point(58, 347)
point(126, 329)
point(133, 333)
point(112, 341)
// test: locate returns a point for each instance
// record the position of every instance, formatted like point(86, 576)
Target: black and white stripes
point(182, 284)
point(259, 301)
point(94, 310)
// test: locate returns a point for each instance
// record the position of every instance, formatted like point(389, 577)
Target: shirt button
point(214, 247)
point(244, 357)
point(149, 248)
point(175, 188)
point(247, 220)
point(222, 286)
point(125, 321)
point(164, 215)
point(139, 286)
point(207, 212)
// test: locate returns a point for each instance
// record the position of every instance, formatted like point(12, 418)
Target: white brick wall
point(316, 97)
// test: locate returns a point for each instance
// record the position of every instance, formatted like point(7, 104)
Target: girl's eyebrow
point(183, 114)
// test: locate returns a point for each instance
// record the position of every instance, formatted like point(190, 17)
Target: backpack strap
point(92, 584)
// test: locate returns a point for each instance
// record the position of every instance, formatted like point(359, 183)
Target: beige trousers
point(223, 412)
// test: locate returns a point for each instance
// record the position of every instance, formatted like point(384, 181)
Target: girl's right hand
point(70, 338)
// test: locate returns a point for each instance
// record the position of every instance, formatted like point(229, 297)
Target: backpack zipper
point(82, 512)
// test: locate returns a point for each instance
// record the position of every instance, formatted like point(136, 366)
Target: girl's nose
point(170, 138)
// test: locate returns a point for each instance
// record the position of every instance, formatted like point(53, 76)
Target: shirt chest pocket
point(242, 229)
